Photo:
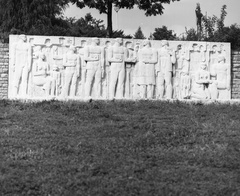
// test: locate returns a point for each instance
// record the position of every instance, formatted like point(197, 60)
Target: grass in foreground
point(119, 148)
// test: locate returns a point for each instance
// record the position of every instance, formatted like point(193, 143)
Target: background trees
point(214, 30)
point(45, 17)
point(153, 7)
point(88, 27)
point(213, 25)
point(139, 34)
point(163, 33)
point(33, 16)
point(91, 27)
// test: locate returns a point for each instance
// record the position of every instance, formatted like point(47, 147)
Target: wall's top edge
point(127, 39)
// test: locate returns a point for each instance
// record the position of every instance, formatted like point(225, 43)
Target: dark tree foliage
point(234, 36)
point(153, 7)
point(33, 17)
point(45, 17)
point(163, 34)
point(191, 35)
point(214, 30)
point(213, 25)
point(139, 34)
point(229, 34)
point(120, 33)
point(90, 27)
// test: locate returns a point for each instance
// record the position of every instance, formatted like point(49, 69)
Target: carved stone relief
point(100, 68)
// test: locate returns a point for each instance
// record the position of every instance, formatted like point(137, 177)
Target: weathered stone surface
point(235, 94)
point(43, 66)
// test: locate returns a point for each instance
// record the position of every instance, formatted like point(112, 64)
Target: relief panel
point(43, 67)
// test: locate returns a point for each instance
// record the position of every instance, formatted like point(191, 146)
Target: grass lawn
point(119, 148)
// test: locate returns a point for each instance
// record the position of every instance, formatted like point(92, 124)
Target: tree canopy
point(45, 17)
point(154, 7)
point(91, 27)
point(88, 27)
point(139, 34)
point(214, 30)
point(163, 33)
point(32, 16)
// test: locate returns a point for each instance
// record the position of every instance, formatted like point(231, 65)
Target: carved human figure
point(180, 53)
point(94, 57)
point(81, 51)
point(200, 89)
point(146, 70)
point(41, 74)
point(195, 58)
point(202, 50)
point(36, 50)
point(213, 57)
point(71, 62)
point(106, 47)
point(107, 67)
point(222, 51)
point(58, 51)
point(57, 64)
point(116, 57)
point(130, 62)
point(182, 73)
point(222, 83)
point(22, 61)
point(135, 73)
point(166, 59)
point(47, 49)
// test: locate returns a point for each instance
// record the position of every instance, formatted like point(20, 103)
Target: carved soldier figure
point(116, 56)
point(94, 57)
point(222, 83)
point(81, 52)
point(222, 51)
point(202, 50)
point(166, 59)
point(129, 63)
point(107, 69)
point(71, 62)
point(146, 70)
point(46, 49)
point(22, 60)
point(135, 73)
point(195, 58)
point(213, 57)
point(57, 64)
point(182, 73)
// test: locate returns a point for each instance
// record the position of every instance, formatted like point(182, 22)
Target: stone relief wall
point(83, 68)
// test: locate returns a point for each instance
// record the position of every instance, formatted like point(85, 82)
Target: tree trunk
point(109, 19)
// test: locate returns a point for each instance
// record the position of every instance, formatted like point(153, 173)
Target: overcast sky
point(177, 15)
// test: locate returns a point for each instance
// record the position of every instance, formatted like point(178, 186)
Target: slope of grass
point(119, 148)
